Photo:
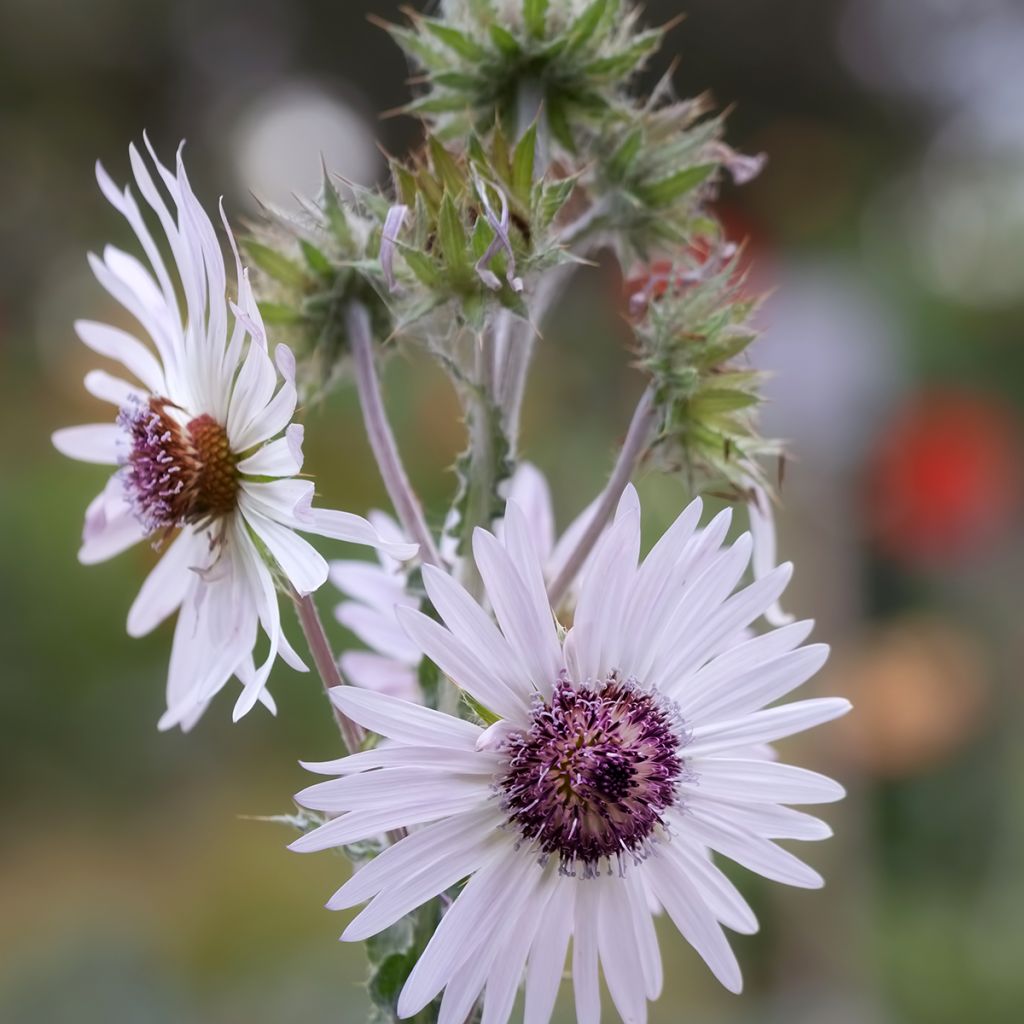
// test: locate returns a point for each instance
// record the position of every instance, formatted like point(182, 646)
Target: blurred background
point(889, 224)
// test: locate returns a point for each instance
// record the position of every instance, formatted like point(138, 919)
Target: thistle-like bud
point(309, 265)
point(490, 60)
point(693, 325)
point(478, 229)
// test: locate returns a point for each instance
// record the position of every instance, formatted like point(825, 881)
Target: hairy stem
point(637, 441)
point(327, 667)
point(382, 439)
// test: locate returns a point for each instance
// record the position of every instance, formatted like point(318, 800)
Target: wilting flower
point(618, 760)
point(377, 590)
point(206, 452)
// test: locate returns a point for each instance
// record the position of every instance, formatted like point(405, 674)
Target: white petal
point(110, 525)
point(765, 726)
point(547, 958)
point(754, 852)
point(355, 530)
point(717, 679)
point(644, 935)
point(432, 874)
point(388, 787)
point(304, 566)
point(762, 782)
point(100, 443)
point(282, 457)
point(585, 979)
point(108, 388)
point(371, 584)
point(357, 826)
point(407, 723)
point(113, 343)
point(459, 663)
point(529, 489)
point(393, 755)
point(476, 630)
point(166, 585)
point(722, 897)
point(483, 903)
point(426, 846)
point(620, 958)
point(380, 630)
point(381, 674)
point(528, 626)
point(690, 914)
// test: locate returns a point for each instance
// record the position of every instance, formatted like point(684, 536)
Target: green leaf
point(558, 122)
point(422, 266)
point(625, 62)
point(522, 163)
point(461, 80)
point(455, 40)
point(335, 211)
point(668, 190)
point(586, 24)
point(504, 40)
point(438, 103)
point(277, 314)
point(552, 198)
point(618, 165)
point(387, 979)
point(485, 715)
point(452, 237)
point(445, 167)
point(274, 264)
point(715, 401)
point(317, 261)
point(535, 16)
point(418, 48)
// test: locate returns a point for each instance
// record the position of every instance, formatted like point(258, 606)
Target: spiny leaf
point(503, 40)
point(668, 190)
point(452, 237)
point(458, 41)
point(535, 16)
point(522, 163)
point(445, 167)
point(274, 264)
point(586, 24)
point(317, 261)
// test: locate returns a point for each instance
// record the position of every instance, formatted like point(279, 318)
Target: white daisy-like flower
point(619, 762)
point(376, 590)
point(206, 451)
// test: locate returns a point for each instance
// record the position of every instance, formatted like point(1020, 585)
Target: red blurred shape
point(944, 482)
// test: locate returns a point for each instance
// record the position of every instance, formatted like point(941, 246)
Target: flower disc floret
point(589, 779)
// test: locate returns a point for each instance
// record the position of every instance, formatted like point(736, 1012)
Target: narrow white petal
point(691, 915)
point(476, 630)
point(644, 934)
point(459, 663)
point(547, 958)
point(371, 584)
point(467, 926)
point(754, 852)
point(115, 390)
point(395, 755)
point(354, 529)
point(382, 674)
point(620, 957)
point(282, 457)
point(762, 529)
point(762, 782)
point(166, 585)
point(99, 443)
point(585, 979)
point(402, 721)
point(423, 882)
point(430, 844)
point(380, 630)
point(366, 791)
point(529, 489)
point(304, 566)
point(528, 625)
point(110, 525)
point(722, 897)
point(765, 726)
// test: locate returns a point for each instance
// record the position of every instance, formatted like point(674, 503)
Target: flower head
point(208, 457)
point(624, 752)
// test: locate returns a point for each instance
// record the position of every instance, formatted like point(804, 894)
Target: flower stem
point(637, 440)
point(327, 667)
point(382, 440)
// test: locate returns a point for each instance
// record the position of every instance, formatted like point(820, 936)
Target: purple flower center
point(177, 473)
point(590, 777)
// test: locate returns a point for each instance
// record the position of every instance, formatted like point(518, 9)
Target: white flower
point(206, 450)
point(618, 762)
point(391, 664)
